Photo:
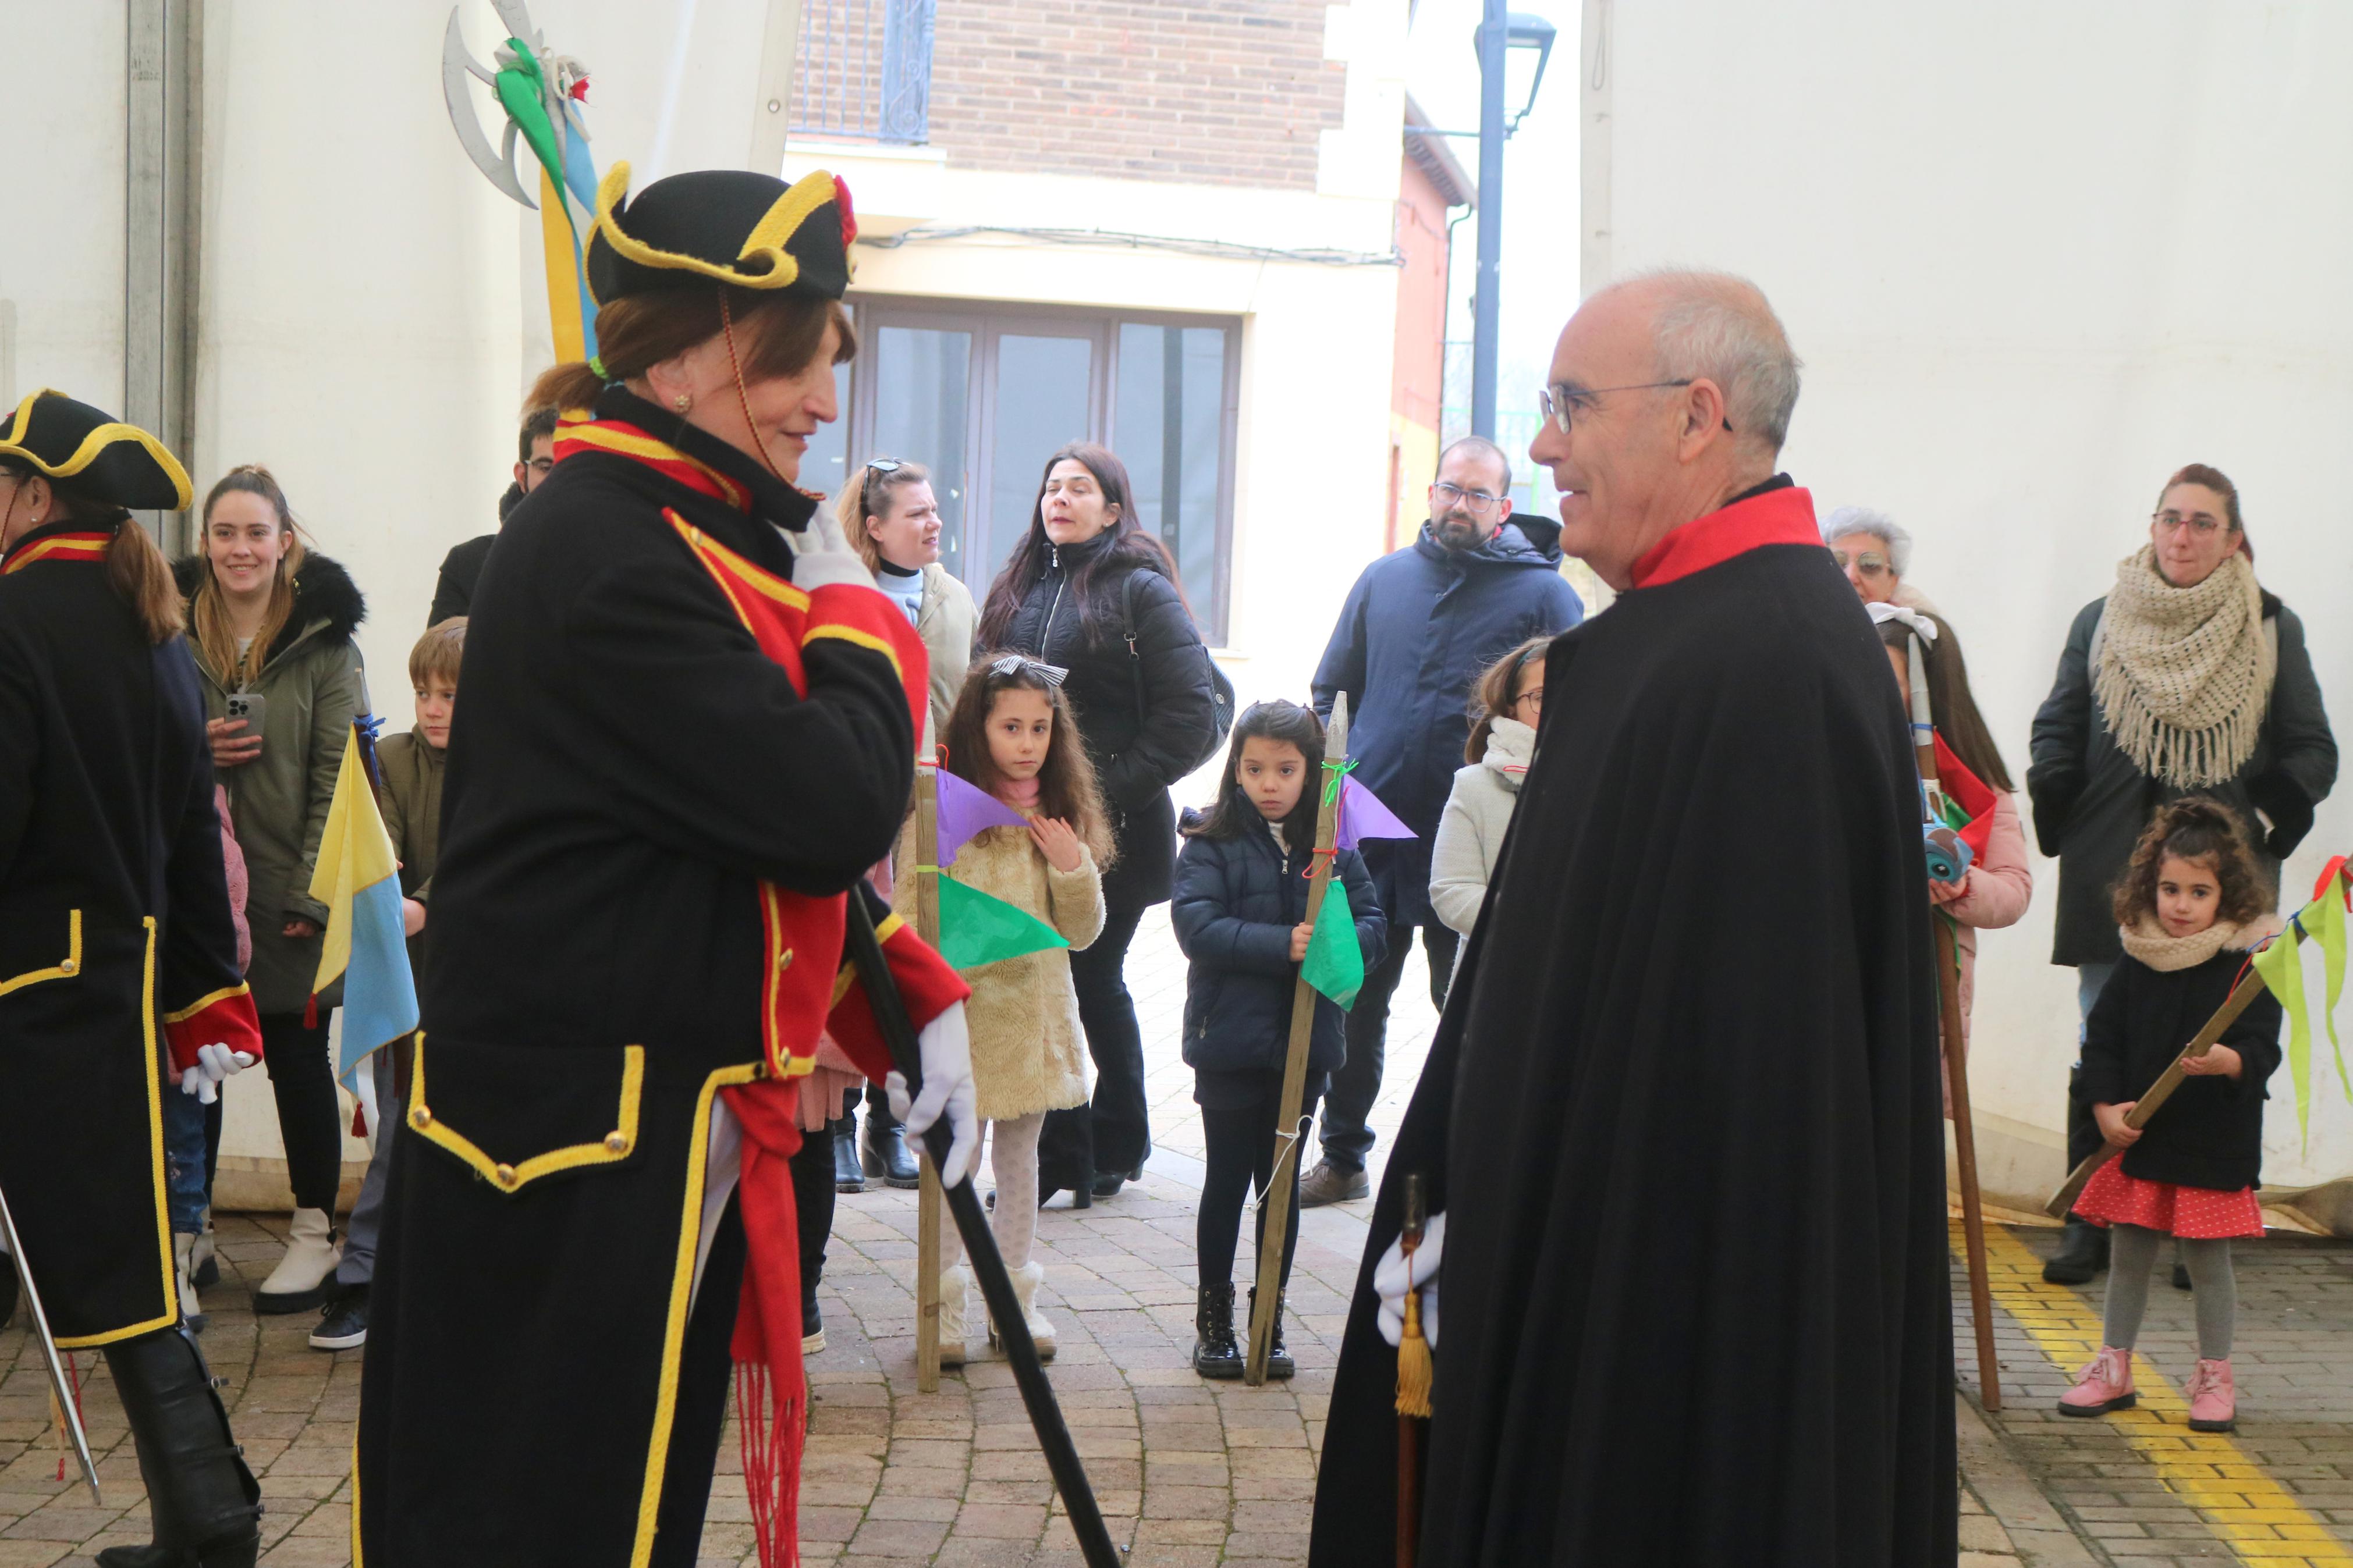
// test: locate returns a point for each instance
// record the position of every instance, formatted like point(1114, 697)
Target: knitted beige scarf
point(2185, 673)
point(2147, 942)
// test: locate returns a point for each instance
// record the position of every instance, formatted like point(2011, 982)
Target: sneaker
point(1327, 1184)
point(204, 1258)
point(343, 1326)
point(2104, 1385)
point(192, 1311)
point(2213, 1398)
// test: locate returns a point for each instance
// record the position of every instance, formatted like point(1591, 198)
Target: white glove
point(946, 1046)
point(213, 1063)
point(1390, 1282)
point(824, 558)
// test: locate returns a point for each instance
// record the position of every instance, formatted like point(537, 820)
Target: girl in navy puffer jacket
point(1240, 914)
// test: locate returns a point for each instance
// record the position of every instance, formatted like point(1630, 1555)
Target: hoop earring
point(682, 402)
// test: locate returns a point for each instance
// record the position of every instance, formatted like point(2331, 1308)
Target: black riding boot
point(205, 1505)
point(1215, 1354)
point(1278, 1354)
point(847, 1176)
point(2082, 1252)
point(885, 1151)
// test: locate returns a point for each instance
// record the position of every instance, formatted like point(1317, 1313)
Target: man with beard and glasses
point(1419, 628)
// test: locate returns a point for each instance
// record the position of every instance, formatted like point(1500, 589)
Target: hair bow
point(1921, 626)
point(1013, 664)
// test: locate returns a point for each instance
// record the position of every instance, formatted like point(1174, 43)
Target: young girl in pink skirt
point(2190, 906)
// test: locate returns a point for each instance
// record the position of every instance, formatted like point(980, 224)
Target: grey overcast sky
point(1540, 184)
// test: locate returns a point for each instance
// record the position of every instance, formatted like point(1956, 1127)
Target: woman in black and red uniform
point(685, 737)
point(119, 981)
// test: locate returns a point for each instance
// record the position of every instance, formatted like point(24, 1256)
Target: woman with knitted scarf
point(2186, 678)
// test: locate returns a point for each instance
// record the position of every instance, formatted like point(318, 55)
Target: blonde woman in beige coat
point(1012, 733)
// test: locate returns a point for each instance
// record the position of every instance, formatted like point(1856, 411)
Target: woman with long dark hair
point(118, 955)
point(1088, 590)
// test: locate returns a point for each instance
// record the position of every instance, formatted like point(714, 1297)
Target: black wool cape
point(1694, 1306)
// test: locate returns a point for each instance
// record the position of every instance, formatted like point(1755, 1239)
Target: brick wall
point(1215, 92)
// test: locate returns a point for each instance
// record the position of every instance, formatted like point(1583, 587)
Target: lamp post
point(1500, 33)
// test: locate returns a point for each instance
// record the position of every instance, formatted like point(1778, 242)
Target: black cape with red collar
point(668, 766)
point(1682, 1114)
point(118, 954)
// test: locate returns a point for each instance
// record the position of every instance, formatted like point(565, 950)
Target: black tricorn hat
point(96, 454)
point(731, 225)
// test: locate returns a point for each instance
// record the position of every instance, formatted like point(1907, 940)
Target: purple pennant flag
point(1363, 816)
point(965, 810)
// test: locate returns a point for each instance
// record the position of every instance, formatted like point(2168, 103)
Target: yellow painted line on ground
point(2248, 1512)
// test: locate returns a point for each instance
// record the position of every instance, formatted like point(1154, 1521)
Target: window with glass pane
point(925, 377)
point(1041, 403)
point(1169, 423)
point(821, 463)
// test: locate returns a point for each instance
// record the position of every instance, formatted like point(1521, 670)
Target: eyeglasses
point(1870, 563)
point(884, 464)
point(1560, 400)
point(543, 467)
point(1533, 696)
point(2202, 523)
point(1476, 501)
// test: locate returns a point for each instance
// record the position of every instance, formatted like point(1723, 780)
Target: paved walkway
point(1194, 1474)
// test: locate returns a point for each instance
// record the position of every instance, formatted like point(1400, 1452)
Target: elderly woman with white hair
point(1874, 552)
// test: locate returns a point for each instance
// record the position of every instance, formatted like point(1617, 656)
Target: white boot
point(953, 1285)
point(305, 1276)
point(1025, 1281)
point(203, 1262)
point(192, 1311)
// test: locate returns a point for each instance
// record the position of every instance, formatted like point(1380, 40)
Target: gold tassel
point(1415, 1369)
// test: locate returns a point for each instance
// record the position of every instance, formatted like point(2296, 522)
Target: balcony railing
point(865, 70)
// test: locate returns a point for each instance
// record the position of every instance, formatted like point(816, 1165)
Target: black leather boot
point(847, 1176)
point(1215, 1351)
point(205, 1504)
point(8, 1288)
point(2082, 1252)
point(886, 1153)
point(1278, 1354)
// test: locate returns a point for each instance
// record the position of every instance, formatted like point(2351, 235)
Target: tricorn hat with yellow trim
point(96, 454)
point(730, 226)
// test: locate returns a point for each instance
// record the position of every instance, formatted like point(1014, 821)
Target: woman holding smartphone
point(271, 627)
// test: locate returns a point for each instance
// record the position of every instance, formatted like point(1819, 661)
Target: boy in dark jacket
point(1240, 914)
point(409, 768)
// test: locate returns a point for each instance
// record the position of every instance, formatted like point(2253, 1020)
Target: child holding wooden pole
point(2192, 903)
point(1012, 733)
point(1240, 914)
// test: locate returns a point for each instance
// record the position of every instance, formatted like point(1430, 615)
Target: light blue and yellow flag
point(358, 878)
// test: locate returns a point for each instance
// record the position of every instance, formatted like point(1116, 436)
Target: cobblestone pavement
point(1193, 1474)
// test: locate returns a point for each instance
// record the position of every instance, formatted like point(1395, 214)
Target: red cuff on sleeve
point(926, 983)
point(224, 1018)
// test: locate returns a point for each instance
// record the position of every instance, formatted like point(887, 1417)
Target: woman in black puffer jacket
point(1140, 679)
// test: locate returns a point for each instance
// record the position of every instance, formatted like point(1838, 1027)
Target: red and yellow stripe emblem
point(581, 433)
point(60, 547)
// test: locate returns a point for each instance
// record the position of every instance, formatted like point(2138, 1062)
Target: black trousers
point(705, 1373)
point(309, 1117)
point(813, 1197)
point(1346, 1139)
point(1112, 1135)
point(1241, 1159)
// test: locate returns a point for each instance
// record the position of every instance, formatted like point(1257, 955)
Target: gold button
point(420, 1119)
point(68, 966)
point(506, 1176)
point(617, 1143)
point(785, 958)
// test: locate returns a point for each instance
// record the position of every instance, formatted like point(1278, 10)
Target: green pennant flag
point(2327, 927)
point(977, 929)
point(1336, 963)
point(2281, 967)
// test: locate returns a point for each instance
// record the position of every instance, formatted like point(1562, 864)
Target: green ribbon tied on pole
point(1335, 775)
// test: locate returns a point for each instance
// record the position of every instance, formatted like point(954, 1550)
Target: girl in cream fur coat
point(1506, 705)
point(1012, 733)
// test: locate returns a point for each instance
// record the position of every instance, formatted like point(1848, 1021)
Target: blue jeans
point(184, 1189)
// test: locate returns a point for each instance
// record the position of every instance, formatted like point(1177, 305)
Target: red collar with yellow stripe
point(579, 432)
point(74, 546)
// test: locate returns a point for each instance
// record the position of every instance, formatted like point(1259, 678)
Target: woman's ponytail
point(137, 572)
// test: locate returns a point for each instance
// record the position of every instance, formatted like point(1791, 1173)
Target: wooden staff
point(1949, 1024)
point(1413, 1381)
point(2248, 987)
point(1275, 1202)
point(927, 1205)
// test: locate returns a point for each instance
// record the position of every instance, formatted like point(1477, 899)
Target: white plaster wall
point(2036, 258)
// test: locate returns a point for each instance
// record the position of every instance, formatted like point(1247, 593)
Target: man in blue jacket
point(1418, 627)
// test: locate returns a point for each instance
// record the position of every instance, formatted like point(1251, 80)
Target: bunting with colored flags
point(963, 810)
point(977, 928)
point(358, 878)
point(1363, 816)
point(1335, 965)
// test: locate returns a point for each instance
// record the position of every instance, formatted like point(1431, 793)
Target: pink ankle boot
point(2213, 1399)
point(2104, 1385)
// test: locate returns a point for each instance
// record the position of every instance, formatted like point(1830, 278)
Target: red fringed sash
point(771, 1388)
